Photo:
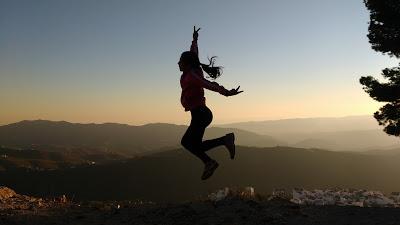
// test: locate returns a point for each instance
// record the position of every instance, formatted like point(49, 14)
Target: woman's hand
point(195, 33)
point(231, 92)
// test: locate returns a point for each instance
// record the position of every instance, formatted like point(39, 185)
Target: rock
point(243, 193)
point(6, 193)
point(248, 192)
point(219, 195)
point(63, 199)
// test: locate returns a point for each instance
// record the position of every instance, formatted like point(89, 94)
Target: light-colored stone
point(6, 192)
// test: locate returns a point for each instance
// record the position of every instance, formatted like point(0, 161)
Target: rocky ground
point(236, 209)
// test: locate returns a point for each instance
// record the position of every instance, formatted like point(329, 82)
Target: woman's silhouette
point(193, 100)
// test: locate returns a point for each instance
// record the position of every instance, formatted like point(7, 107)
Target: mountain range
point(111, 137)
point(353, 133)
point(356, 133)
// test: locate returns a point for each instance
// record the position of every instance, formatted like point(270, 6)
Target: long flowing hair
point(193, 60)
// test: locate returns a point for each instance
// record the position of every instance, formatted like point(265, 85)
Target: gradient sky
point(116, 61)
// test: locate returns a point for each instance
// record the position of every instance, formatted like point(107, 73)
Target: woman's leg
point(212, 143)
point(192, 139)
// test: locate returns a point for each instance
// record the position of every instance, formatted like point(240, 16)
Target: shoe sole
point(210, 173)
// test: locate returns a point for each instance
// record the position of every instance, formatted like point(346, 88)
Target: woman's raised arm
point(194, 48)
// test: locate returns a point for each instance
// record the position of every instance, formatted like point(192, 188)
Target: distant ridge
point(111, 137)
point(308, 125)
point(355, 133)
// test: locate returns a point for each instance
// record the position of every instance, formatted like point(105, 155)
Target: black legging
point(192, 140)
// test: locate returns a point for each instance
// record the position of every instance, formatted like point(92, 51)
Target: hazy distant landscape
point(352, 133)
point(360, 133)
point(112, 138)
point(118, 161)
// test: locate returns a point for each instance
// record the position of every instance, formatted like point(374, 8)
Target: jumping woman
point(193, 100)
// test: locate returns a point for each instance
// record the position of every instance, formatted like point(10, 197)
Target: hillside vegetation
point(175, 175)
point(12, 159)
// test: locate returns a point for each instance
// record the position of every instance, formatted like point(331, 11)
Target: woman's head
point(189, 60)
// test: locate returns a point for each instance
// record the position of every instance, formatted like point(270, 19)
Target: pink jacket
point(193, 84)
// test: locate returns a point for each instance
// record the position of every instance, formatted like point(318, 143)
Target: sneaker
point(230, 144)
point(209, 169)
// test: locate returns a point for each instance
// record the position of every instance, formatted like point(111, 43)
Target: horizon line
point(216, 124)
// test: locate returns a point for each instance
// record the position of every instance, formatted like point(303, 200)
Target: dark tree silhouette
point(384, 36)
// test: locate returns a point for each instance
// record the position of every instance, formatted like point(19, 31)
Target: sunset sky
point(95, 61)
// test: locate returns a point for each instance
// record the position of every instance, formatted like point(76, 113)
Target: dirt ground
point(20, 209)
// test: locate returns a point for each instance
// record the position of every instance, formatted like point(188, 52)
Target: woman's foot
point(230, 144)
point(209, 169)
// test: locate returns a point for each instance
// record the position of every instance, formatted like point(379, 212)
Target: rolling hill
point(175, 175)
point(354, 133)
point(308, 125)
point(110, 137)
